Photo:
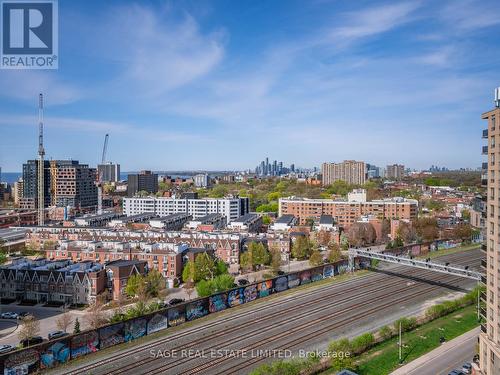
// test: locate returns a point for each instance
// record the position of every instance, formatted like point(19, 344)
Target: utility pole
point(400, 345)
point(41, 169)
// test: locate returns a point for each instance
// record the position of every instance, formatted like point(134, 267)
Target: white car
point(6, 348)
point(9, 315)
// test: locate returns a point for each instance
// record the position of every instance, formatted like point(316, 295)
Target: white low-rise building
point(231, 208)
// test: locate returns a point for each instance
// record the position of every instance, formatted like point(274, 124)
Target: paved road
point(46, 315)
point(450, 356)
point(233, 342)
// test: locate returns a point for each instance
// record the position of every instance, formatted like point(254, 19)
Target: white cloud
point(373, 21)
point(152, 53)
point(27, 84)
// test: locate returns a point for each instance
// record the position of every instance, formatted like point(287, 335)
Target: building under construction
point(66, 183)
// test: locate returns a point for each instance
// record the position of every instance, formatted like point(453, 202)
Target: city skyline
point(206, 79)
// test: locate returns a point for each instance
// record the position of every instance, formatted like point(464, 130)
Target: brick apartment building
point(9, 218)
point(346, 213)
point(164, 257)
point(351, 171)
point(119, 271)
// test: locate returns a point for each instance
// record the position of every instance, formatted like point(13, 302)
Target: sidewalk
point(438, 356)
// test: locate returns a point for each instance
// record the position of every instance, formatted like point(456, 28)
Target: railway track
point(289, 313)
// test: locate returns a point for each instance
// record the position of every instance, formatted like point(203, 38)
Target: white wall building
point(231, 208)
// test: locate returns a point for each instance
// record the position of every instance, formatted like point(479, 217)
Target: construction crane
point(99, 175)
point(41, 171)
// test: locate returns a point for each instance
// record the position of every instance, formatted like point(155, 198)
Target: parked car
point(456, 372)
point(242, 282)
point(6, 348)
point(31, 341)
point(9, 315)
point(467, 368)
point(175, 301)
point(56, 335)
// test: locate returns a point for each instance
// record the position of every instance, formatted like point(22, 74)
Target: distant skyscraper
point(395, 171)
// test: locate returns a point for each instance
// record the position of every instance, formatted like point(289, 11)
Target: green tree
point(188, 273)
point(133, 284)
point(260, 255)
point(76, 328)
point(205, 288)
point(334, 253)
point(3, 257)
point(221, 267)
point(246, 262)
point(275, 259)
point(301, 248)
point(154, 283)
point(224, 282)
point(266, 220)
point(316, 258)
point(204, 266)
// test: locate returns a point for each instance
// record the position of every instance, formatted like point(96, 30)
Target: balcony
point(483, 263)
point(485, 150)
point(483, 328)
point(484, 166)
point(483, 279)
point(485, 133)
point(482, 312)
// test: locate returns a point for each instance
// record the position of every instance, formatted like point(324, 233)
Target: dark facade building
point(143, 181)
point(30, 185)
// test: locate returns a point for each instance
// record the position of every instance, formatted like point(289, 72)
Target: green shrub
point(363, 342)
point(385, 332)
point(341, 354)
point(407, 324)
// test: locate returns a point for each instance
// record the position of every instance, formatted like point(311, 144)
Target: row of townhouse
point(47, 281)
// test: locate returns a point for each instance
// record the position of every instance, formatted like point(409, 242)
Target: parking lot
point(47, 317)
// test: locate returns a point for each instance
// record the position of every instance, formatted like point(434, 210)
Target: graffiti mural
point(328, 271)
point(305, 277)
point(217, 302)
point(250, 293)
point(111, 335)
point(317, 274)
point(280, 284)
point(197, 309)
point(235, 297)
point(342, 268)
point(157, 322)
point(24, 362)
point(176, 316)
point(293, 280)
point(55, 354)
point(265, 288)
point(135, 328)
point(84, 344)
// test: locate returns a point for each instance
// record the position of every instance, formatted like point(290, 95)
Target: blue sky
point(223, 84)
